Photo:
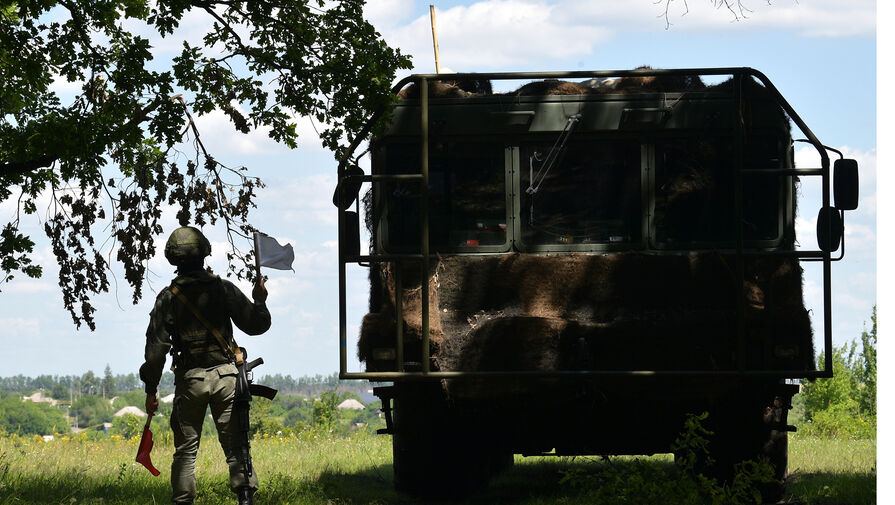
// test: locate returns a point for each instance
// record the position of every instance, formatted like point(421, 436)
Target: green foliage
point(14, 249)
point(132, 398)
point(638, 481)
point(89, 384)
point(110, 153)
point(108, 383)
point(261, 419)
point(128, 426)
point(91, 410)
point(840, 421)
point(692, 444)
point(326, 414)
point(369, 416)
point(845, 404)
point(838, 390)
point(60, 392)
point(29, 418)
point(292, 409)
point(867, 373)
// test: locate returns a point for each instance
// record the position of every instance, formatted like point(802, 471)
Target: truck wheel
point(776, 446)
point(753, 433)
point(501, 461)
point(433, 457)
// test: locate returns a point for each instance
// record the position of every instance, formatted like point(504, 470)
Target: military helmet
point(185, 245)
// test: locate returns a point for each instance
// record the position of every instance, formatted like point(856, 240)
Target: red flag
point(145, 448)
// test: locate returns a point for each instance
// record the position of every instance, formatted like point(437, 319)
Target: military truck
point(575, 266)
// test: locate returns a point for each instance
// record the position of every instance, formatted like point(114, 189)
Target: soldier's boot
point(244, 495)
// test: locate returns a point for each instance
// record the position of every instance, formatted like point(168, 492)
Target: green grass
point(838, 471)
point(318, 469)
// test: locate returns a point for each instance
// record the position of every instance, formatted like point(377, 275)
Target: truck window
point(590, 195)
point(695, 191)
point(467, 195)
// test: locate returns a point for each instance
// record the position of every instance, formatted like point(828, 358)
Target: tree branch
point(13, 168)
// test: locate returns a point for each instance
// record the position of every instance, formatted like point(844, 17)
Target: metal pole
point(388, 376)
point(399, 317)
point(424, 219)
point(740, 132)
point(257, 256)
point(343, 311)
point(828, 298)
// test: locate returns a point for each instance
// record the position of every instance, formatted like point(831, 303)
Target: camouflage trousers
point(195, 390)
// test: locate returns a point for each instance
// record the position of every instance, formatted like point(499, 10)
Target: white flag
point(271, 254)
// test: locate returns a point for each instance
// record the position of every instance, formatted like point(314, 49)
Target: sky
point(821, 54)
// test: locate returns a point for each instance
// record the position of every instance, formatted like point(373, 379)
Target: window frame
point(381, 206)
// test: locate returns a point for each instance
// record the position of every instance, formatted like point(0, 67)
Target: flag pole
point(257, 257)
point(434, 37)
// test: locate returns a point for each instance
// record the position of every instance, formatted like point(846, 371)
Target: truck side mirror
point(845, 184)
point(829, 229)
point(346, 192)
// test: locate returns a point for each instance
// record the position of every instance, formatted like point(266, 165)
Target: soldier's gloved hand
point(151, 404)
point(259, 292)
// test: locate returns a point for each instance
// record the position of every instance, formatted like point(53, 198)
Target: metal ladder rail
point(824, 172)
point(423, 179)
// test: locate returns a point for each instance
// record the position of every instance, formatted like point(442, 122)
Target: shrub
point(128, 426)
point(636, 482)
point(29, 418)
point(840, 421)
point(92, 410)
point(843, 405)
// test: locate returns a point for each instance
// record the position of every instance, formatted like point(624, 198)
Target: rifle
point(241, 403)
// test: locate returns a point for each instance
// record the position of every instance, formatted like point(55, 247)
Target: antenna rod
point(434, 38)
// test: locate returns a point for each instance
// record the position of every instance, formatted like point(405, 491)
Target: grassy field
point(318, 469)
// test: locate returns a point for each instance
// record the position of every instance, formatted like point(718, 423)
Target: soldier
point(190, 318)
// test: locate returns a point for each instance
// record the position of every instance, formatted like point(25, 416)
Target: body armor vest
point(193, 344)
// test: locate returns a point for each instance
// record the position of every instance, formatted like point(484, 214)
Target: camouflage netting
point(757, 97)
point(634, 310)
point(598, 311)
point(478, 87)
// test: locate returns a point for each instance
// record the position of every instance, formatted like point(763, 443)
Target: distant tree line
point(71, 387)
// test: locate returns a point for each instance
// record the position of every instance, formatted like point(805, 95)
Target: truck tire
point(433, 455)
point(776, 447)
point(753, 428)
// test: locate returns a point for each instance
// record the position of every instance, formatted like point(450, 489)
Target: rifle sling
point(234, 352)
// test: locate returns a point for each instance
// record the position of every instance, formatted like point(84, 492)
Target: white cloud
point(194, 24)
point(21, 327)
point(812, 291)
point(807, 157)
point(860, 224)
point(299, 202)
point(849, 300)
point(65, 88)
point(221, 138)
point(388, 13)
point(820, 18)
point(27, 287)
point(494, 34)
point(860, 240)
